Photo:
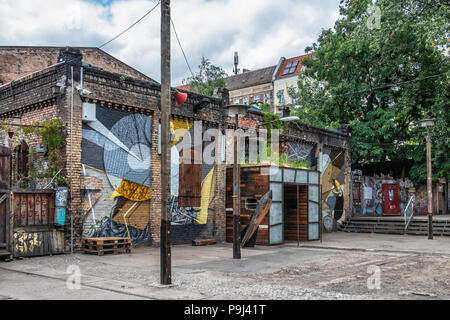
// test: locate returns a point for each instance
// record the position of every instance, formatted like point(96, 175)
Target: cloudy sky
point(261, 31)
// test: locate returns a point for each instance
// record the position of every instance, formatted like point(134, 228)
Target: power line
point(181, 47)
point(130, 26)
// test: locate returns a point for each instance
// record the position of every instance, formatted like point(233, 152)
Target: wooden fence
point(34, 208)
point(34, 231)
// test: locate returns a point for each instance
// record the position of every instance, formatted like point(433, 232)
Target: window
point(22, 151)
point(293, 94)
point(280, 95)
point(251, 203)
point(246, 100)
point(257, 98)
point(236, 100)
point(290, 67)
point(267, 97)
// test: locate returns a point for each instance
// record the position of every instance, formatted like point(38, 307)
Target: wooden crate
point(100, 246)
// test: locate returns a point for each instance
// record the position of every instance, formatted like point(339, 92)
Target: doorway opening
point(295, 212)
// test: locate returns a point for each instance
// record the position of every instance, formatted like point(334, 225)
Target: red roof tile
point(298, 69)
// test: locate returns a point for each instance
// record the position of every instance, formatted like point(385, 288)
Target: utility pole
point(166, 265)
point(428, 123)
point(429, 187)
point(236, 197)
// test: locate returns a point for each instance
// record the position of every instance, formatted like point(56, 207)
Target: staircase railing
point(408, 212)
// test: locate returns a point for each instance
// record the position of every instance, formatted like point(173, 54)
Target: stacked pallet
point(100, 246)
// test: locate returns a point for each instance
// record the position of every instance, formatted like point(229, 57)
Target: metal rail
point(409, 208)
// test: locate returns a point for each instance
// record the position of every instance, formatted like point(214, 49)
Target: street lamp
point(236, 110)
point(427, 123)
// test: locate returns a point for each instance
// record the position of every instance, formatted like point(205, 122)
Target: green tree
point(208, 78)
point(381, 79)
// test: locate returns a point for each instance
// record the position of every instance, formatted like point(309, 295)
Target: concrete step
point(4, 253)
point(394, 226)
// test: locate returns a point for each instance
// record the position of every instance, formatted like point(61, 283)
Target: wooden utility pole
point(236, 197)
point(166, 266)
point(429, 187)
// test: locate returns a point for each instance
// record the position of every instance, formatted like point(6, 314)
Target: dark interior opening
point(295, 212)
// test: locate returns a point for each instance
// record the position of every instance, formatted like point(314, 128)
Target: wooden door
point(190, 182)
point(391, 199)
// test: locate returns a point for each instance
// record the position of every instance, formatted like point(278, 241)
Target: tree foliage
point(382, 80)
point(208, 78)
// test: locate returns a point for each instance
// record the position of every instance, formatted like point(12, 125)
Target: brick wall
point(16, 62)
point(34, 98)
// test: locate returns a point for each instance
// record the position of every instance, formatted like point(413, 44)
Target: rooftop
point(250, 78)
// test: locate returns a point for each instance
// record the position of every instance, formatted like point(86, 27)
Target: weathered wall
point(328, 152)
point(123, 105)
point(16, 62)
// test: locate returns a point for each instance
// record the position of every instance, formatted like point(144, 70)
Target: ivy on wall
point(47, 164)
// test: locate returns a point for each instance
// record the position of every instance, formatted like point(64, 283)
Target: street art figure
point(301, 151)
point(116, 152)
point(332, 166)
point(116, 149)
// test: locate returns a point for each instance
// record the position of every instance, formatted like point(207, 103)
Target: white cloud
point(260, 30)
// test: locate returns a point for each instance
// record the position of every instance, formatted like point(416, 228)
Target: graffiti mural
point(332, 166)
point(372, 194)
point(116, 158)
point(116, 161)
point(182, 215)
point(301, 151)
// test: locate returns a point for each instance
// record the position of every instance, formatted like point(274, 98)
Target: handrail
point(409, 207)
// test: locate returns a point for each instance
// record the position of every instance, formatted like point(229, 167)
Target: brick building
point(112, 138)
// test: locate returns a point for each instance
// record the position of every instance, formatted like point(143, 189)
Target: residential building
point(251, 87)
point(285, 82)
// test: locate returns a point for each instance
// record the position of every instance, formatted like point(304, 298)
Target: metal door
point(391, 199)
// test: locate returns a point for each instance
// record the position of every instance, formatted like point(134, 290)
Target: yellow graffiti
point(26, 242)
point(337, 189)
point(179, 127)
point(202, 216)
point(132, 191)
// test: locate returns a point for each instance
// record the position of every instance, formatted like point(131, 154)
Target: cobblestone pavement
point(282, 272)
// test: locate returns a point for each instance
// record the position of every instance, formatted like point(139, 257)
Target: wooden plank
point(16, 204)
point(37, 209)
point(260, 213)
point(52, 208)
point(44, 209)
point(190, 180)
point(30, 209)
point(203, 242)
point(23, 210)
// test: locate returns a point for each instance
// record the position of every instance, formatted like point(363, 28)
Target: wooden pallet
point(100, 246)
point(203, 242)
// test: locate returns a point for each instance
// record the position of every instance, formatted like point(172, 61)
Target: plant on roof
point(208, 78)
